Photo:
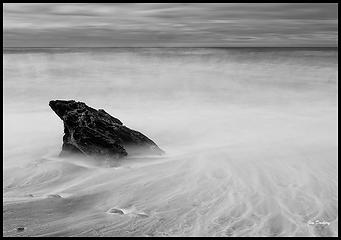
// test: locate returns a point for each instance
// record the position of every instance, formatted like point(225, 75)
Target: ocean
point(250, 136)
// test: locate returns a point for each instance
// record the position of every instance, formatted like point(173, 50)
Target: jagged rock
point(95, 133)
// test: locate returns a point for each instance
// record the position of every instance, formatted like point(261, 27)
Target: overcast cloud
point(169, 24)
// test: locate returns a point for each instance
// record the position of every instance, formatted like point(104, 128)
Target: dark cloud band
point(172, 24)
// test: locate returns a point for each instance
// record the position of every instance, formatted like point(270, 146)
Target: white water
point(250, 137)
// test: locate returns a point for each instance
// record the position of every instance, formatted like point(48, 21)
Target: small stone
point(143, 215)
point(116, 211)
point(54, 196)
point(20, 229)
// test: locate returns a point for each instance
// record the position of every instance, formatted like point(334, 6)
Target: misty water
point(250, 136)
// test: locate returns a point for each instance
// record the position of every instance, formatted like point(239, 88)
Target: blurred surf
point(250, 137)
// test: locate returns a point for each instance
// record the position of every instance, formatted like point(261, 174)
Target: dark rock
point(96, 133)
point(20, 229)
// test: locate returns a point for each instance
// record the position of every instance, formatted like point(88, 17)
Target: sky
point(170, 25)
